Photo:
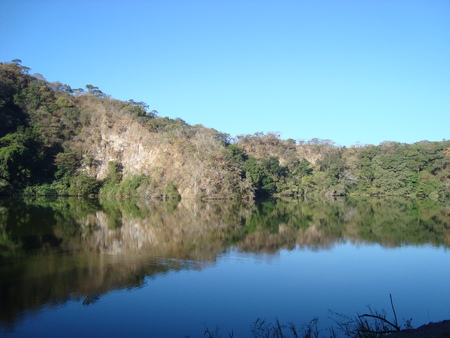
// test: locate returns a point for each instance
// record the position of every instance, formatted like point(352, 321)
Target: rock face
point(198, 164)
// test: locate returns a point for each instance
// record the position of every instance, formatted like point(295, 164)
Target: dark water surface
point(85, 267)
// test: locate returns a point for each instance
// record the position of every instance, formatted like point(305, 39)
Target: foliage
point(83, 185)
point(40, 190)
point(22, 157)
point(67, 163)
point(319, 167)
point(171, 192)
point(43, 149)
point(114, 175)
point(134, 186)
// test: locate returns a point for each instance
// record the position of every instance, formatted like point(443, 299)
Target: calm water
point(77, 267)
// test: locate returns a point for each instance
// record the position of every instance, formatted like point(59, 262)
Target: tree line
point(42, 122)
point(319, 167)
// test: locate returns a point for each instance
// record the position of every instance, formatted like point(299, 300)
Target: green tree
point(67, 164)
point(427, 184)
point(13, 79)
point(95, 91)
point(21, 157)
point(83, 185)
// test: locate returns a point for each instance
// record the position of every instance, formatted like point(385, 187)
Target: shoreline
point(431, 330)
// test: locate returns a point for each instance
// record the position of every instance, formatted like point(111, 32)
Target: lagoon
point(87, 267)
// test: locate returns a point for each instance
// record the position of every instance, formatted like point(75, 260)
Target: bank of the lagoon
point(80, 267)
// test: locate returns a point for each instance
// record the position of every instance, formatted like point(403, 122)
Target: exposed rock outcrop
point(195, 162)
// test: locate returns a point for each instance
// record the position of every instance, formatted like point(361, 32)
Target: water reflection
point(54, 251)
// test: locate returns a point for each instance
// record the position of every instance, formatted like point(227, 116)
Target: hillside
point(55, 140)
point(77, 136)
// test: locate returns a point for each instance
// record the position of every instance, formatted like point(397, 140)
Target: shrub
point(83, 185)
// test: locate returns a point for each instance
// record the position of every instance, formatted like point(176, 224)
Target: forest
point(49, 130)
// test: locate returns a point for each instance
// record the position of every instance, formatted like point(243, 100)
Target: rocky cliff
point(193, 159)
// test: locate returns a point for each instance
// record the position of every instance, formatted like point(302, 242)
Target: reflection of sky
point(295, 286)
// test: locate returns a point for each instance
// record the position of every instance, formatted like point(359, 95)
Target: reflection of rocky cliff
point(185, 231)
point(74, 249)
point(99, 248)
point(198, 231)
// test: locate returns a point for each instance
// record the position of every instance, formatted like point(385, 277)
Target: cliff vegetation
point(55, 140)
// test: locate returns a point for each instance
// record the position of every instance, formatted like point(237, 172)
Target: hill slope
point(64, 141)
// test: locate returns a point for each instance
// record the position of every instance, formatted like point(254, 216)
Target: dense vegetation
point(320, 167)
point(43, 151)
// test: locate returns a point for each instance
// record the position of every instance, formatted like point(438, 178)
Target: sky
point(351, 71)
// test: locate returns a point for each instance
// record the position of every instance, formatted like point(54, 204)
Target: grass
point(263, 329)
point(373, 324)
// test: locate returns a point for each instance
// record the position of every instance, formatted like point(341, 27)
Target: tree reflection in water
point(58, 250)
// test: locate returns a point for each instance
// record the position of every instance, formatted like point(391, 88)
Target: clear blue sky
point(351, 71)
